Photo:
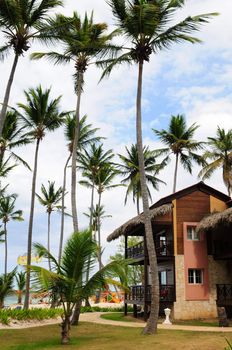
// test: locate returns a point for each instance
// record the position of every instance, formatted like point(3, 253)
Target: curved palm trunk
point(7, 94)
point(62, 209)
point(151, 326)
point(137, 204)
point(175, 173)
point(74, 154)
point(6, 248)
point(30, 228)
point(49, 229)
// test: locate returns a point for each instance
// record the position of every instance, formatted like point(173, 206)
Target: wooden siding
point(191, 208)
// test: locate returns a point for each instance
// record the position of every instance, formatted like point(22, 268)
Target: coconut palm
point(220, 155)
point(91, 160)
point(6, 286)
point(8, 213)
point(145, 24)
point(86, 137)
point(83, 42)
point(129, 169)
point(12, 137)
point(5, 169)
point(95, 213)
point(40, 115)
point(20, 283)
point(179, 139)
point(50, 199)
point(22, 22)
point(67, 277)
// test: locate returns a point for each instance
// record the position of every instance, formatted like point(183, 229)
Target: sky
point(194, 80)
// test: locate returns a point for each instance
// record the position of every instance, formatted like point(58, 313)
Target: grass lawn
point(119, 316)
point(89, 336)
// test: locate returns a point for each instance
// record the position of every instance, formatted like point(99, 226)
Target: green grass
point(104, 337)
point(119, 316)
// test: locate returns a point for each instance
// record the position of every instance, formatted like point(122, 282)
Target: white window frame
point(194, 235)
point(194, 276)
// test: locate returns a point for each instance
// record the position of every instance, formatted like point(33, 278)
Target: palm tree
point(39, 115)
point(179, 139)
point(96, 213)
point(21, 283)
point(91, 160)
point(220, 154)
point(50, 199)
point(12, 137)
point(22, 22)
point(105, 176)
point(83, 41)
point(145, 24)
point(67, 277)
point(129, 169)
point(86, 137)
point(5, 168)
point(8, 213)
point(6, 286)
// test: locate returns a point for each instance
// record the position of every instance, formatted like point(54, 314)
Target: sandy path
point(94, 317)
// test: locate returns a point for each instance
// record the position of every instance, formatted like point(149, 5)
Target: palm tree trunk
point(74, 153)
point(90, 227)
point(6, 248)
point(175, 173)
point(49, 226)
point(7, 94)
point(151, 326)
point(65, 329)
point(137, 203)
point(30, 228)
point(99, 232)
point(62, 209)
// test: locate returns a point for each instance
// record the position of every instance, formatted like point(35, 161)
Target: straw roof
point(139, 219)
point(215, 220)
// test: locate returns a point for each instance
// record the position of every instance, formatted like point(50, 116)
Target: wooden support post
point(135, 311)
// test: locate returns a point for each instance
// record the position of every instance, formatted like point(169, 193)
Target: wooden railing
point(224, 294)
point(137, 293)
point(164, 248)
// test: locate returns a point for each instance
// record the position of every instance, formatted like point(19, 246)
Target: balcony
point(224, 294)
point(163, 249)
point(137, 294)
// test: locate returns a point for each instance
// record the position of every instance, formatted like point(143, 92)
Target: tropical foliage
point(66, 278)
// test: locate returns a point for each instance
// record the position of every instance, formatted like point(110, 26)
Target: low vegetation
point(104, 337)
point(7, 315)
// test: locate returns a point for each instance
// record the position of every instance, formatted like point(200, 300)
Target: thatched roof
point(215, 220)
point(139, 219)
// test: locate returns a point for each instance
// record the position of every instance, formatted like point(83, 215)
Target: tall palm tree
point(50, 199)
point(21, 22)
point(6, 286)
point(83, 42)
point(145, 25)
point(12, 137)
point(21, 283)
point(129, 169)
point(40, 115)
point(220, 154)
point(90, 162)
point(87, 135)
point(68, 275)
point(8, 213)
point(105, 176)
point(179, 139)
point(97, 212)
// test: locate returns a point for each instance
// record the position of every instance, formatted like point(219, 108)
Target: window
point(192, 234)
point(195, 276)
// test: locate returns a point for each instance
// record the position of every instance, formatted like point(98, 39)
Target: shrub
point(25, 315)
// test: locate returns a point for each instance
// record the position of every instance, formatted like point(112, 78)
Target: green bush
point(104, 309)
point(25, 315)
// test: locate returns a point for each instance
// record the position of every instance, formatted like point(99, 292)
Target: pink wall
point(196, 257)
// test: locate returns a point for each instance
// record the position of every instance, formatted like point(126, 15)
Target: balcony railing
point(137, 293)
point(224, 294)
point(163, 248)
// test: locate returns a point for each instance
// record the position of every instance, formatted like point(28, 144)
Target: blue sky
point(194, 80)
